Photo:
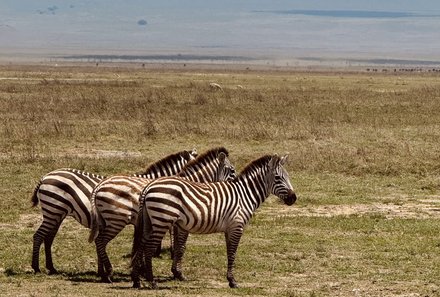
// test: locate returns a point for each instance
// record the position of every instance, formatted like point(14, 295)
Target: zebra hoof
point(52, 271)
point(37, 270)
point(106, 280)
point(180, 277)
point(136, 284)
point(233, 285)
point(154, 286)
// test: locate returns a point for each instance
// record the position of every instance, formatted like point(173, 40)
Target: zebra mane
point(193, 165)
point(84, 173)
point(253, 165)
point(166, 160)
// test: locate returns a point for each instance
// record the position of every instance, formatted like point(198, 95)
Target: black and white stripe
point(205, 208)
point(67, 192)
point(115, 201)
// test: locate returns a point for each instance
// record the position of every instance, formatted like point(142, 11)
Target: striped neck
point(204, 168)
point(253, 185)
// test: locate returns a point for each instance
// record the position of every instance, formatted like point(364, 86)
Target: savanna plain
point(364, 159)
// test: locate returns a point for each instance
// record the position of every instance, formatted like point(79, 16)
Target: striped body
point(67, 192)
point(115, 201)
point(195, 207)
point(205, 208)
point(61, 193)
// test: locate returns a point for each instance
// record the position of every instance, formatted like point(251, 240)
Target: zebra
point(204, 208)
point(115, 201)
point(66, 192)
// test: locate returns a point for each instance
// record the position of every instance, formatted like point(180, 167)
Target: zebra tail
point(94, 218)
point(143, 222)
point(34, 198)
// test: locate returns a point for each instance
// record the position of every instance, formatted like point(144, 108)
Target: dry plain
point(364, 161)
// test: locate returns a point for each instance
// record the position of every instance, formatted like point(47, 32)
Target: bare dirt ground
point(413, 209)
point(407, 209)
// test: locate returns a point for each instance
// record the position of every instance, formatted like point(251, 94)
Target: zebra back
point(68, 173)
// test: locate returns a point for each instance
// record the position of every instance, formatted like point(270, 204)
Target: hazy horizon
point(282, 30)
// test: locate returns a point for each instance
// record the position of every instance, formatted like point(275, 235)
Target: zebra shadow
point(85, 276)
point(17, 272)
point(146, 287)
point(165, 253)
point(92, 277)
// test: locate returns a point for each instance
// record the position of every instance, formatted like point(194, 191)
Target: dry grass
point(356, 141)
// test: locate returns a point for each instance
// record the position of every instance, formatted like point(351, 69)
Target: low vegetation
point(364, 160)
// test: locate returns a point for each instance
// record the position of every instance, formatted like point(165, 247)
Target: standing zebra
point(205, 208)
point(115, 201)
point(66, 192)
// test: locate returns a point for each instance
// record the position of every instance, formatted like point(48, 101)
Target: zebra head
point(279, 181)
point(189, 155)
point(226, 171)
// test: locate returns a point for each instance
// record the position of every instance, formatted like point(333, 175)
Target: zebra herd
point(182, 193)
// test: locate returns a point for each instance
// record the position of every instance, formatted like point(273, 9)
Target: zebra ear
point(274, 161)
point(221, 156)
point(283, 159)
point(193, 152)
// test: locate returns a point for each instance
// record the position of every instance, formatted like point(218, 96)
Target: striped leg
point(38, 240)
point(101, 271)
point(180, 238)
point(142, 262)
point(144, 256)
point(48, 241)
point(105, 268)
point(45, 233)
point(159, 247)
point(232, 240)
point(172, 231)
point(137, 265)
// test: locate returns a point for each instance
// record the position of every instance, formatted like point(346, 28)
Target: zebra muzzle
point(290, 198)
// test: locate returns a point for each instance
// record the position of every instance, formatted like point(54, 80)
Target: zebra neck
point(161, 170)
point(199, 172)
point(253, 192)
point(196, 177)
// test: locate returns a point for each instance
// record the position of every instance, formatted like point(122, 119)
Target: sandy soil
point(417, 209)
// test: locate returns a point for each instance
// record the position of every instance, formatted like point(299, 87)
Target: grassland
point(364, 160)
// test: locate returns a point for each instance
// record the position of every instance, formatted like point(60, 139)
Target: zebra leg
point(158, 251)
point(37, 241)
point(144, 256)
point(143, 262)
point(232, 240)
point(102, 258)
point(173, 230)
point(45, 233)
point(105, 268)
point(180, 238)
point(137, 265)
point(48, 241)
point(159, 247)
point(100, 265)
